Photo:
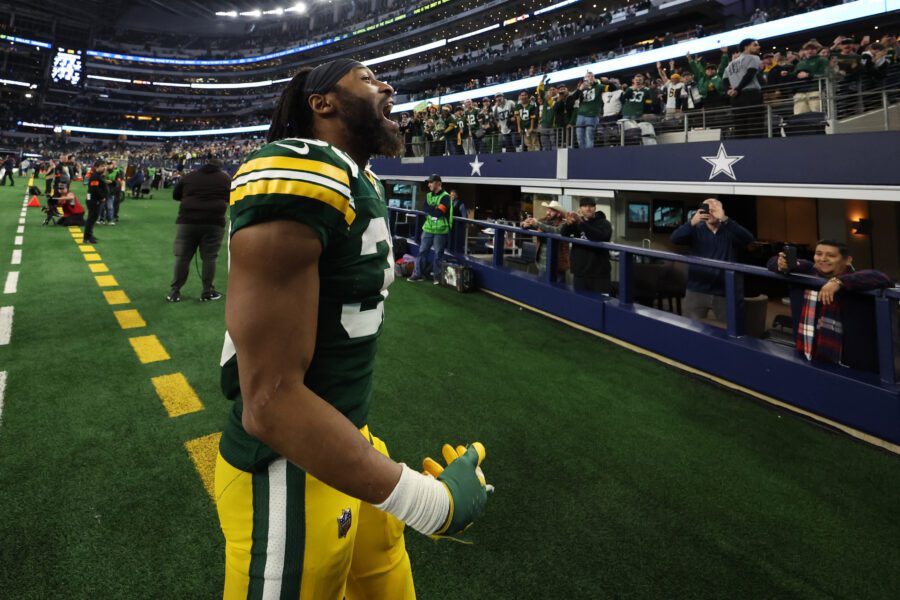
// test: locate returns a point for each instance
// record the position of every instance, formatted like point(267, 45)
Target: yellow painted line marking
point(860, 435)
point(177, 395)
point(92, 257)
point(129, 319)
point(98, 268)
point(148, 349)
point(116, 297)
point(74, 229)
point(106, 280)
point(203, 452)
point(84, 248)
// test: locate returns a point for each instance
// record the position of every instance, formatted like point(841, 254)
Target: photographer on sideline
point(73, 211)
point(591, 270)
point(435, 231)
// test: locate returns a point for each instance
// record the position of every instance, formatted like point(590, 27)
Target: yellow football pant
point(290, 536)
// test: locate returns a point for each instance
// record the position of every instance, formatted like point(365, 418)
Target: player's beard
point(371, 136)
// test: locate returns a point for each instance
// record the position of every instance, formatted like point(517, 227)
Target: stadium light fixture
point(227, 13)
point(402, 53)
point(17, 83)
point(251, 13)
point(104, 78)
point(299, 8)
point(274, 11)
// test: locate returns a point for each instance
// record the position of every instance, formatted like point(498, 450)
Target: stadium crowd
point(549, 116)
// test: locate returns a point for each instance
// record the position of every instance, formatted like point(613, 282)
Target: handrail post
point(621, 134)
point(734, 303)
point(887, 115)
point(685, 128)
point(551, 260)
point(392, 221)
point(768, 120)
point(499, 241)
point(884, 342)
point(831, 104)
point(626, 283)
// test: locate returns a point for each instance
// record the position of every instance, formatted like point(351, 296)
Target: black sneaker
point(210, 296)
point(174, 297)
point(415, 278)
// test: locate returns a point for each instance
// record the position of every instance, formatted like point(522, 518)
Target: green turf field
point(616, 476)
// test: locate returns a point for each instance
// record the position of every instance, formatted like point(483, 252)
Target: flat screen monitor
point(667, 216)
point(638, 213)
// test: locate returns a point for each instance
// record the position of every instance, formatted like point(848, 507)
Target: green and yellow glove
point(465, 483)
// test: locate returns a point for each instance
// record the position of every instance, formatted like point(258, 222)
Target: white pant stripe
point(277, 529)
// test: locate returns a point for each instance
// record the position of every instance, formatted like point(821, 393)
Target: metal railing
point(885, 302)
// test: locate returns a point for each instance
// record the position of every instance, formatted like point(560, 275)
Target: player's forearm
point(309, 432)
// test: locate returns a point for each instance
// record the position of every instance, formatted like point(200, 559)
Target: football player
point(310, 504)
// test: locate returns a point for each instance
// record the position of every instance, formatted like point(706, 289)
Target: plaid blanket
point(820, 339)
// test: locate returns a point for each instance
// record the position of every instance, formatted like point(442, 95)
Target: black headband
point(322, 79)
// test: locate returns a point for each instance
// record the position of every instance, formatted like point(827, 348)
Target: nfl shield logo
point(344, 522)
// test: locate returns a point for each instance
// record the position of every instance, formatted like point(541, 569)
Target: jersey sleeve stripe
point(275, 174)
point(296, 164)
point(301, 189)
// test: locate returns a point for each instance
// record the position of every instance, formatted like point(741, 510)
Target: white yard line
point(12, 283)
point(20, 229)
point(22, 221)
point(16, 257)
point(19, 240)
point(2, 393)
point(6, 323)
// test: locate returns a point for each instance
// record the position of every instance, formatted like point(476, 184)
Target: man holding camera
point(710, 234)
point(590, 266)
point(73, 212)
point(834, 326)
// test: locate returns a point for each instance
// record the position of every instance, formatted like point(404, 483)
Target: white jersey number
point(356, 321)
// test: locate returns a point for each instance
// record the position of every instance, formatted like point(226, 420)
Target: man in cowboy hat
point(551, 223)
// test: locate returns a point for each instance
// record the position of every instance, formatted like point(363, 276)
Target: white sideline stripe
point(22, 221)
point(277, 529)
point(12, 283)
point(20, 229)
point(16, 257)
point(2, 393)
point(6, 321)
point(19, 240)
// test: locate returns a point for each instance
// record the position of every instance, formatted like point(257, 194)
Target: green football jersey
point(526, 112)
point(472, 122)
point(633, 106)
point(312, 182)
point(591, 100)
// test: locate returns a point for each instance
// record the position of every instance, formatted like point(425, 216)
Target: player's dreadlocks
point(293, 117)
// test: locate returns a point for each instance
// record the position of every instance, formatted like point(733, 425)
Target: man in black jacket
point(98, 192)
point(590, 266)
point(203, 194)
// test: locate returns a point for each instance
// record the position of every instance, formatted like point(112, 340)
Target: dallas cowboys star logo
point(476, 166)
point(722, 163)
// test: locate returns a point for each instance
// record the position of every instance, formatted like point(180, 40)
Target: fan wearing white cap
point(552, 222)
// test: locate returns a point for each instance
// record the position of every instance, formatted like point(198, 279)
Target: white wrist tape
point(420, 501)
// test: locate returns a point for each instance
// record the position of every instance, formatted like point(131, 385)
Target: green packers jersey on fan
point(320, 186)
